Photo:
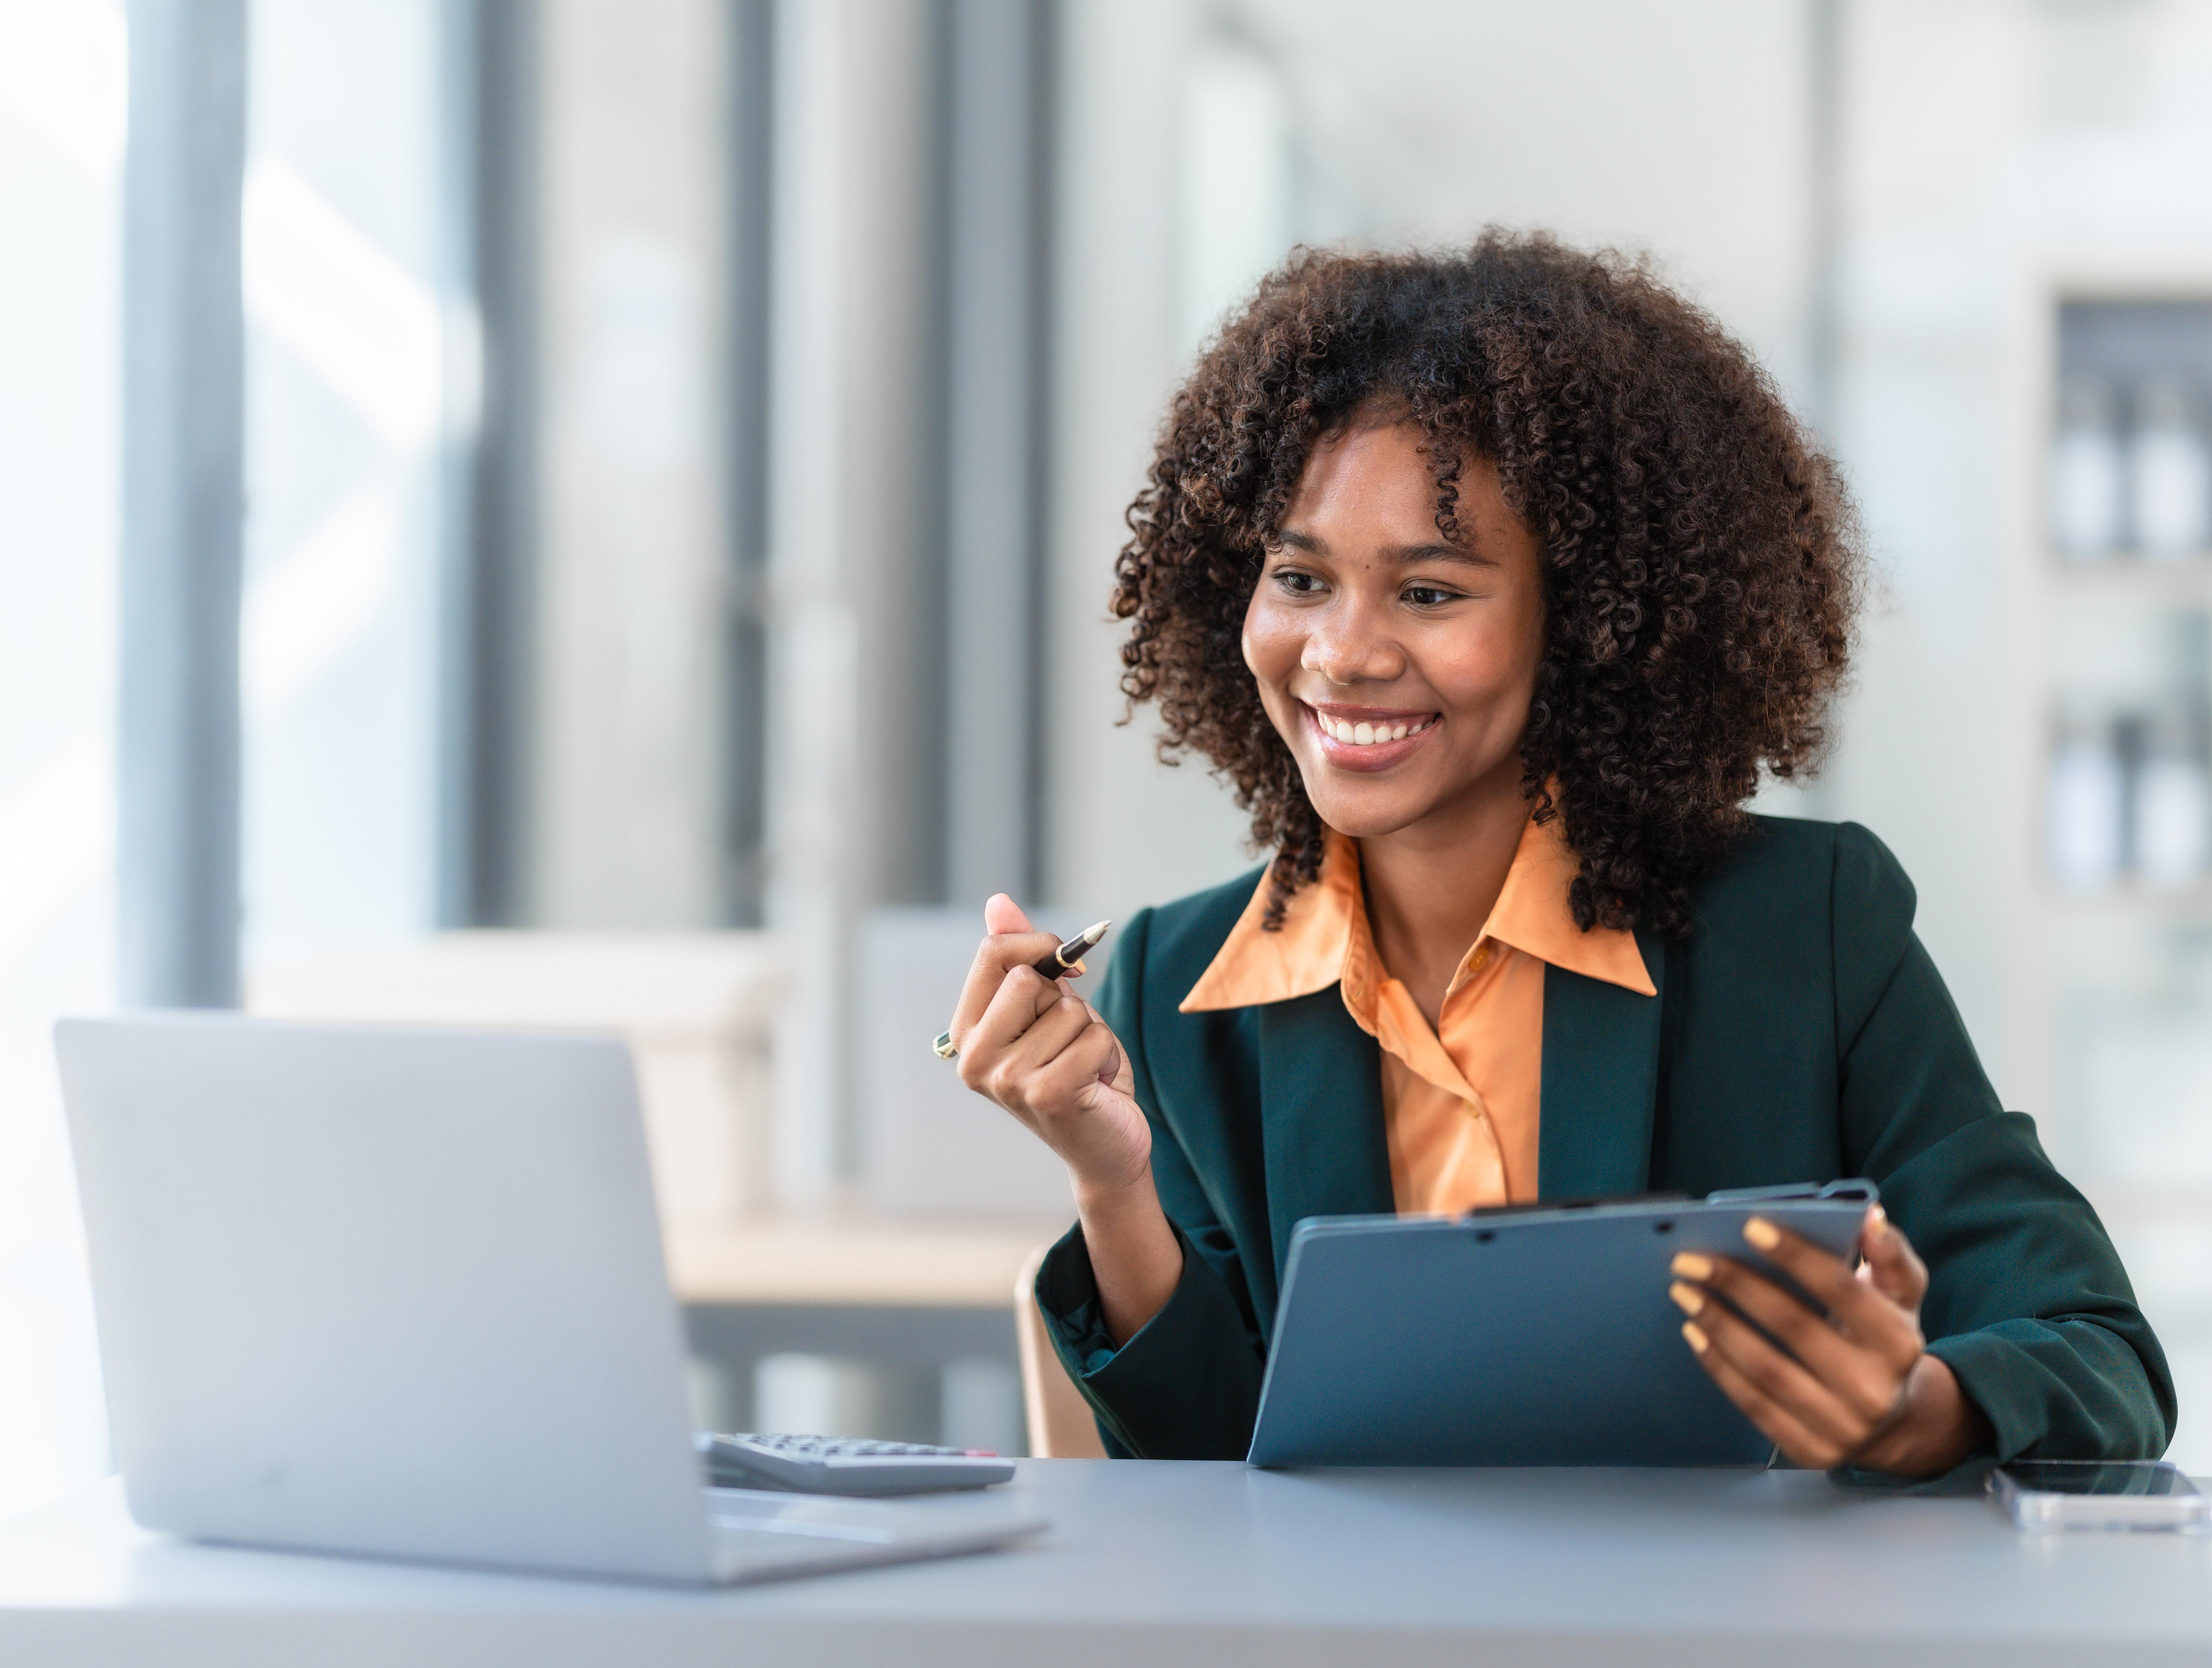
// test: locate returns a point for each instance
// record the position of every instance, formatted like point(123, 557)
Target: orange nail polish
point(1762, 1233)
point(1696, 1334)
point(1688, 1299)
point(1690, 1266)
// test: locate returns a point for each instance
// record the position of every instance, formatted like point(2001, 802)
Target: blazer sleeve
point(1187, 1385)
point(2026, 1300)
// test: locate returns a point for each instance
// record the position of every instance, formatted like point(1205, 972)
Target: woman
point(1490, 583)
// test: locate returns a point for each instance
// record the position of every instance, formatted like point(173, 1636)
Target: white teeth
point(1369, 735)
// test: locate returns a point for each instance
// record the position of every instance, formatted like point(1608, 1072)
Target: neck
point(1430, 887)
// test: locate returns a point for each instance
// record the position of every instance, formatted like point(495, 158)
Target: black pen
point(1065, 963)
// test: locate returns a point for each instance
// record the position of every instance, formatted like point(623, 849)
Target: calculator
point(844, 1464)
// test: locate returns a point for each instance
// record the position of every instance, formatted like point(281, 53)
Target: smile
point(1368, 736)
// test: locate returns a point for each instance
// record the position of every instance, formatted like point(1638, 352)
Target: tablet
point(1535, 1335)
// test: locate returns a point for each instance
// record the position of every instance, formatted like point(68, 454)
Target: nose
point(1348, 645)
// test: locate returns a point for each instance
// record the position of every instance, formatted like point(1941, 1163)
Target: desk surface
point(1154, 1564)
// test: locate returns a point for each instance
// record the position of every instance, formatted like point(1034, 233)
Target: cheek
point(1497, 662)
point(1270, 643)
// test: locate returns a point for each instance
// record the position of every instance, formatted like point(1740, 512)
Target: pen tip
point(1096, 931)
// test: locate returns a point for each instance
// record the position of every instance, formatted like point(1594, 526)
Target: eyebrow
point(1436, 551)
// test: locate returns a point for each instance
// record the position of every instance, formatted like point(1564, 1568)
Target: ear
point(1002, 914)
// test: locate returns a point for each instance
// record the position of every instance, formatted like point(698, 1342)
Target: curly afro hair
point(1702, 564)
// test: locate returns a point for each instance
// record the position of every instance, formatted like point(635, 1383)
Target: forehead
point(1377, 470)
point(1372, 490)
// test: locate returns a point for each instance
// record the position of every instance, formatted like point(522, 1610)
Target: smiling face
point(1398, 666)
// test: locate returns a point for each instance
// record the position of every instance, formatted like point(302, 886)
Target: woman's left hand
point(1862, 1389)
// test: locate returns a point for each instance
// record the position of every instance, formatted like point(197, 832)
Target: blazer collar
point(1601, 1081)
point(1320, 1092)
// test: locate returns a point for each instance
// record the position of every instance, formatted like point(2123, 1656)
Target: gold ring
point(943, 1049)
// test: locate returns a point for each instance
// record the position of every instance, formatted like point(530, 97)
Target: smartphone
point(2044, 1495)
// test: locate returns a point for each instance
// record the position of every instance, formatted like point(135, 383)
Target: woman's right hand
point(1042, 1053)
point(1046, 1057)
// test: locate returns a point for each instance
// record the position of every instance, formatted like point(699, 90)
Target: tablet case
point(1523, 1337)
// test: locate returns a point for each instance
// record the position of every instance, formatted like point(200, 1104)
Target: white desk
point(1152, 1565)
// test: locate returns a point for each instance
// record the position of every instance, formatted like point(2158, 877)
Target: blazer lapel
point(1601, 1082)
point(1320, 1095)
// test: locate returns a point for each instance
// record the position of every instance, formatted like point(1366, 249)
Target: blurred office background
point(684, 445)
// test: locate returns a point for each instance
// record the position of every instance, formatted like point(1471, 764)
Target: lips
point(1368, 738)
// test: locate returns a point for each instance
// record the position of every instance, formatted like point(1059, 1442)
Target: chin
point(1366, 817)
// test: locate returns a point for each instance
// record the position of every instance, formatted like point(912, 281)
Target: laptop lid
point(387, 1291)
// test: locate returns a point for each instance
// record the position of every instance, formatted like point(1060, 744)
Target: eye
point(1298, 582)
point(1429, 596)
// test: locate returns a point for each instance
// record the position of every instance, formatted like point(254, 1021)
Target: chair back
point(1060, 1423)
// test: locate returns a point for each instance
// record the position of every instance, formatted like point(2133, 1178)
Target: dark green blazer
point(1800, 1033)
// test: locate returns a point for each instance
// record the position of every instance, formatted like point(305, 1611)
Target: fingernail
point(1696, 1334)
point(1762, 1233)
point(1688, 1299)
point(1879, 1217)
point(1690, 1266)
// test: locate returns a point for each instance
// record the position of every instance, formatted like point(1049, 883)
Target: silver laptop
point(400, 1293)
